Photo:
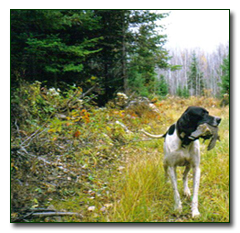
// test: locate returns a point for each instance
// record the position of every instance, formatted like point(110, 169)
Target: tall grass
point(139, 191)
point(142, 195)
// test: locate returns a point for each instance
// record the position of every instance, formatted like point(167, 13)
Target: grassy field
point(88, 164)
point(142, 194)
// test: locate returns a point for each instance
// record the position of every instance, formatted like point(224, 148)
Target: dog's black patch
point(171, 129)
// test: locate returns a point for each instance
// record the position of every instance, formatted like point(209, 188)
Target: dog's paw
point(178, 208)
point(187, 192)
point(195, 213)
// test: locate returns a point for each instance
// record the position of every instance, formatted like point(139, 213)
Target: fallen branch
point(35, 134)
point(47, 214)
point(55, 164)
point(55, 213)
point(123, 126)
point(82, 95)
point(88, 91)
point(18, 131)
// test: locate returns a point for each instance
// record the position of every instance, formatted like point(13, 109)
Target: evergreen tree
point(137, 85)
point(185, 92)
point(131, 49)
point(162, 86)
point(146, 50)
point(116, 47)
point(182, 92)
point(51, 44)
point(195, 78)
point(179, 91)
point(225, 77)
point(110, 63)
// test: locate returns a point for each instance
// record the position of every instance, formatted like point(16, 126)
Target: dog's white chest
point(176, 154)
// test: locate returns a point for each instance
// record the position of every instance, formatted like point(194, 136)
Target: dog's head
point(193, 117)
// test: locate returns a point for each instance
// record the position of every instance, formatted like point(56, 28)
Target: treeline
point(112, 50)
point(201, 72)
point(106, 51)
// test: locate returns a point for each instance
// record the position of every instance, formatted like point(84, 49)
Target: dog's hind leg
point(165, 166)
point(186, 190)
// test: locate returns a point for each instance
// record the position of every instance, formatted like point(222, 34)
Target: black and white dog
point(182, 150)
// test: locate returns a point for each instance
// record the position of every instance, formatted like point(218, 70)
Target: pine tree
point(182, 92)
point(225, 77)
point(145, 50)
point(162, 86)
point(131, 49)
point(51, 44)
point(195, 78)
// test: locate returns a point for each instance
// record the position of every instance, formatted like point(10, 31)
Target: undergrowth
point(70, 156)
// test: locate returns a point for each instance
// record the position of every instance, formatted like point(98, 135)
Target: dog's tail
point(152, 135)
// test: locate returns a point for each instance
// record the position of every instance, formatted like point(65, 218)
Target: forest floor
point(87, 167)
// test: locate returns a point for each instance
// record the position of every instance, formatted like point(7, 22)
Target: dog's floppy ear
point(185, 117)
point(185, 123)
point(184, 120)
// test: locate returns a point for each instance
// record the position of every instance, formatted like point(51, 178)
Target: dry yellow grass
point(122, 178)
point(141, 192)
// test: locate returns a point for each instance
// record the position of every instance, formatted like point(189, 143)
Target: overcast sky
point(205, 29)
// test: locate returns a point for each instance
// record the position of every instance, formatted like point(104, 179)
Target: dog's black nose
point(218, 119)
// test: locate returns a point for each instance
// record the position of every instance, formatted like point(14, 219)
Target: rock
point(61, 116)
point(91, 208)
point(121, 99)
point(140, 104)
point(120, 168)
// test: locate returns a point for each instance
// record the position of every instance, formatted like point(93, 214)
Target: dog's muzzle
point(216, 121)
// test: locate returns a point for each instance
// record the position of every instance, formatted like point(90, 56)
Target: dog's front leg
point(196, 181)
point(173, 176)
